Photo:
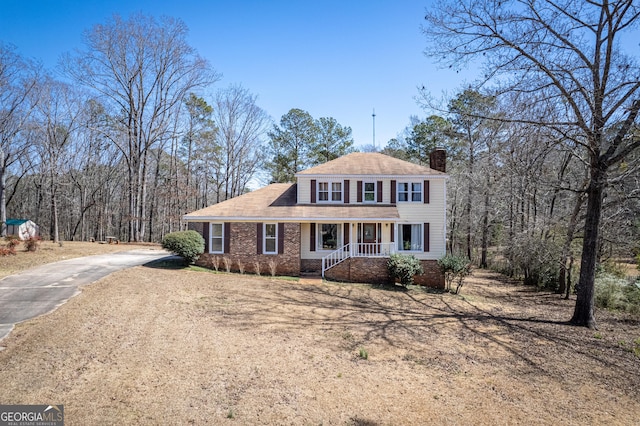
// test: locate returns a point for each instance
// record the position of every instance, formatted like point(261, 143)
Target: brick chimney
point(438, 160)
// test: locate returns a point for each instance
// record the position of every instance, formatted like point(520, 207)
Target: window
point(410, 191)
point(270, 238)
point(329, 191)
point(216, 243)
point(336, 191)
point(369, 192)
point(323, 191)
point(330, 236)
point(409, 237)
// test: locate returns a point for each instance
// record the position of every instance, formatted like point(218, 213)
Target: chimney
point(438, 160)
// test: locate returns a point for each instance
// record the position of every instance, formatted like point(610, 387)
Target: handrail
point(335, 257)
point(356, 250)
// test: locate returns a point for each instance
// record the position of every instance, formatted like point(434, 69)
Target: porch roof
point(278, 202)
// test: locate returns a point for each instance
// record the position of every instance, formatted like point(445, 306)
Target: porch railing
point(356, 250)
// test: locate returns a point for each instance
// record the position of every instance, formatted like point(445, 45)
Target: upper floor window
point(410, 191)
point(216, 238)
point(369, 192)
point(270, 238)
point(329, 192)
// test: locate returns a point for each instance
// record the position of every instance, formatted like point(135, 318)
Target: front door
point(369, 239)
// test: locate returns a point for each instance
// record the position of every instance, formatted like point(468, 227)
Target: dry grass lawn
point(169, 346)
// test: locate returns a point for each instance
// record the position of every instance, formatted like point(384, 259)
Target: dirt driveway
point(151, 346)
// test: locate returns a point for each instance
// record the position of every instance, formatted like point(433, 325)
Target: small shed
point(22, 228)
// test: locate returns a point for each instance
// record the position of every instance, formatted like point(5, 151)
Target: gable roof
point(278, 202)
point(370, 163)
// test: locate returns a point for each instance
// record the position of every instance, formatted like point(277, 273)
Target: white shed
point(22, 228)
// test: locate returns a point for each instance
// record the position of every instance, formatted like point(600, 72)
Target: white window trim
point(264, 239)
point(330, 191)
point(410, 191)
point(364, 192)
point(417, 250)
point(319, 236)
point(211, 251)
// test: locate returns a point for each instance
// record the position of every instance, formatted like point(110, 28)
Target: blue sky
point(337, 59)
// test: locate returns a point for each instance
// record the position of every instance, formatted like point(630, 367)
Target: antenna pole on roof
point(374, 128)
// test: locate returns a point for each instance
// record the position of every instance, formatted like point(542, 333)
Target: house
point(22, 228)
point(341, 219)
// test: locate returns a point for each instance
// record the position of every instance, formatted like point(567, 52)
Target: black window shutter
point(227, 237)
point(359, 188)
point(313, 191)
point(346, 230)
point(312, 237)
point(393, 192)
point(392, 233)
point(346, 191)
point(425, 241)
point(206, 226)
point(280, 238)
point(426, 192)
point(259, 238)
point(379, 188)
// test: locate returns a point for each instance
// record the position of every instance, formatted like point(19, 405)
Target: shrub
point(536, 259)
point(455, 270)
point(227, 263)
point(32, 244)
point(215, 263)
point(273, 266)
point(612, 268)
point(7, 251)
point(616, 293)
point(13, 241)
point(187, 244)
point(256, 267)
point(404, 267)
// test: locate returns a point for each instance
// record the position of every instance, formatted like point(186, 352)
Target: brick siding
point(242, 252)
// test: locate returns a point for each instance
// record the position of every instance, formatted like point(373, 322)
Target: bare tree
point(571, 51)
point(142, 69)
point(18, 86)
point(242, 127)
point(56, 119)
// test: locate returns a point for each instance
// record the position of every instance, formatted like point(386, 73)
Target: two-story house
point(341, 219)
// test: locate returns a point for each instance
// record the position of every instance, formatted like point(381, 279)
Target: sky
point(334, 58)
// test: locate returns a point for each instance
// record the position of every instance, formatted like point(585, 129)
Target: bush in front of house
point(187, 244)
point(455, 270)
point(404, 267)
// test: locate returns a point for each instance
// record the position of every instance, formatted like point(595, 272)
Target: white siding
point(432, 213)
point(304, 190)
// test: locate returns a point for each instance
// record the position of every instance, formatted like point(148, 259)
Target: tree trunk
point(3, 200)
point(583, 314)
point(563, 286)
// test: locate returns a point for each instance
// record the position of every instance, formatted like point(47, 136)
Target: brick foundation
point(311, 265)
point(374, 271)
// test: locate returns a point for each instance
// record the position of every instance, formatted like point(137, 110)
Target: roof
point(16, 222)
point(370, 163)
point(278, 202)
